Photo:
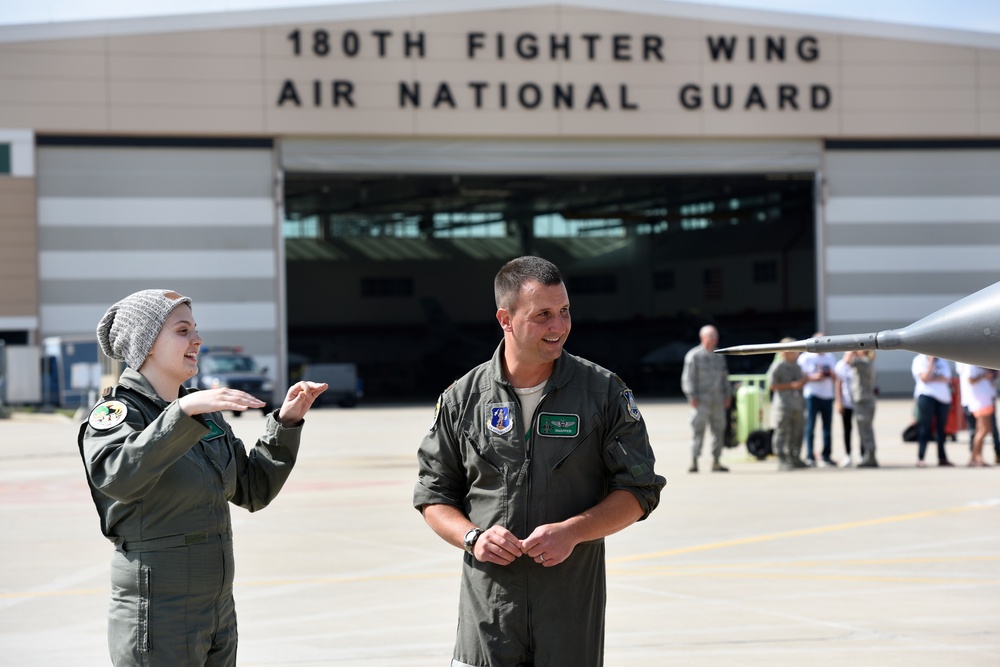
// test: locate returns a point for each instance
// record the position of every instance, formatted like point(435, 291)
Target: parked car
point(345, 389)
point(233, 368)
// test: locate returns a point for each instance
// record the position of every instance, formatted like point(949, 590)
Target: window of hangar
point(395, 272)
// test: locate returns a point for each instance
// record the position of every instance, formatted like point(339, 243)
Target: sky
point(977, 15)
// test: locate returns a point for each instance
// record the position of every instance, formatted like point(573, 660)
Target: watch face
point(470, 538)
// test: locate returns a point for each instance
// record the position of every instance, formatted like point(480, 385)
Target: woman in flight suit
point(163, 466)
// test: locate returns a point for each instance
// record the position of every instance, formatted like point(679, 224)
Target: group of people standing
point(806, 387)
point(935, 395)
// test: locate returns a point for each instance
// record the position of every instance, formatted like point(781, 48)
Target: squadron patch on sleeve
point(107, 415)
point(632, 408)
point(437, 413)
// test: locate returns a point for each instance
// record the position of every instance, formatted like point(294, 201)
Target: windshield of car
point(228, 364)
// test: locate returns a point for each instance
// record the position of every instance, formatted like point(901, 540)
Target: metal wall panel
point(906, 231)
point(201, 221)
point(513, 156)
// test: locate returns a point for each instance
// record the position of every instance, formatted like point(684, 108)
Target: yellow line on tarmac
point(872, 578)
point(695, 568)
point(796, 533)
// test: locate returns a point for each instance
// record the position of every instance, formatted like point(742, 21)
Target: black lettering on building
point(343, 90)
point(381, 36)
point(409, 95)
point(474, 42)
point(411, 43)
point(719, 102)
point(621, 48)
point(786, 95)
point(530, 95)
point(596, 97)
point(808, 48)
point(591, 40)
point(559, 45)
point(626, 105)
point(821, 96)
point(690, 96)
point(652, 45)
point(289, 93)
point(721, 46)
point(526, 46)
point(443, 96)
point(351, 43)
point(755, 98)
point(477, 87)
point(562, 96)
point(775, 48)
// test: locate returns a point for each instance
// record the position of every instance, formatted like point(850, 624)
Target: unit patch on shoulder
point(107, 415)
point(437, 413)
point(632, 408)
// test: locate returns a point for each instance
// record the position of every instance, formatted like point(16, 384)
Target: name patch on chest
point(500, 417)
point(558, 426)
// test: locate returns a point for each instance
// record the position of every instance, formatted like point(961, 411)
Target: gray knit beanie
point(129, 328)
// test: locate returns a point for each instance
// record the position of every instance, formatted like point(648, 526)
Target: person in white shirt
point(817, 367)
point(978, 388)
point(843, 403)
point(933, 394)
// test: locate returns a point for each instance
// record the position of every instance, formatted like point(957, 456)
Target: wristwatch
point(470, 539)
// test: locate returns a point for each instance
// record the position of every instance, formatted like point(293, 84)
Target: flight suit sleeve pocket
point(622, 460)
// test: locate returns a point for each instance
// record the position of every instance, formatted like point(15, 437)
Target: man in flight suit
point(533, 458)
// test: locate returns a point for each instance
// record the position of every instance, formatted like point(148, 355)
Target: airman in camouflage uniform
point(705, 382)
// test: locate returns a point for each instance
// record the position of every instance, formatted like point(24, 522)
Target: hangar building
point(341, 183)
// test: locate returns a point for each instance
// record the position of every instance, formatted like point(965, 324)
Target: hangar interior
point(394, 272)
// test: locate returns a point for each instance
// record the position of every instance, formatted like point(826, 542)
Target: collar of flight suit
point(137, 382)
point(562, 371)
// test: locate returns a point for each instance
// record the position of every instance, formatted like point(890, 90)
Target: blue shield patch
point(633, 409)
point(500, 420)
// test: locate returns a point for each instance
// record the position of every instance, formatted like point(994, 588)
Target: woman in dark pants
point(933, 394)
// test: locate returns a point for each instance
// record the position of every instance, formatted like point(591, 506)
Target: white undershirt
point(529, 397)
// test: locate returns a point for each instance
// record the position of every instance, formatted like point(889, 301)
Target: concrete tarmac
point(827, 566)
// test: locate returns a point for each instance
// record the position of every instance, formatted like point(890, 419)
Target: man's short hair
point(517, 272)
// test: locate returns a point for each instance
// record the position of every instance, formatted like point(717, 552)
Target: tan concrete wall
point(229, 82)
point(19, 249)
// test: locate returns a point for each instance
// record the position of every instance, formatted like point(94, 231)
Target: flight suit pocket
point(562, 452)
point(622, 457)
point(484, 451)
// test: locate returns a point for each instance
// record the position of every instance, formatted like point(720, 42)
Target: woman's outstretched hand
point(217, 400)
point(298, 400)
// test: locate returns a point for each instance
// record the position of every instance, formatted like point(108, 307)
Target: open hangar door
point(394, 272)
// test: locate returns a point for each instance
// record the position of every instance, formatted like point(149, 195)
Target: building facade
point(340, 183)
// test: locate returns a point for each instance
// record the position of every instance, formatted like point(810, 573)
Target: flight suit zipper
point(523, 475)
